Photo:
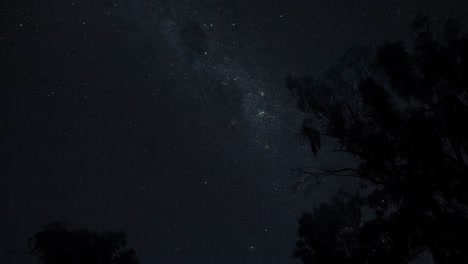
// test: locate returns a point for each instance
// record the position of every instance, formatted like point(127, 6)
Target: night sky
point(170, 120)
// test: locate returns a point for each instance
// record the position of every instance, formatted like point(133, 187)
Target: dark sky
point(170, 120)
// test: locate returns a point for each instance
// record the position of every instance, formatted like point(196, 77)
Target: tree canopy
point(402, 111)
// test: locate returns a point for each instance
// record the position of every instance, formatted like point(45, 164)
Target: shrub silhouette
point(55, 244)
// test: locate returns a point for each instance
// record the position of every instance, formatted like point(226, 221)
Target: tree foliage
point(55, 244)
point(402, 112)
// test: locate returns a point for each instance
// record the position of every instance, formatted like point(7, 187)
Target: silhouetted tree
point(55, 244)
point(403, 114)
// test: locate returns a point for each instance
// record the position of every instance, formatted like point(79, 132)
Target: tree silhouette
point(402, 112)
point(55, 244)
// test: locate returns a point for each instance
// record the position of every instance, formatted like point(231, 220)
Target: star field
point(170, 120)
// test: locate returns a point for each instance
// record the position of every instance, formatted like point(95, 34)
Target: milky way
point(220, 69)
